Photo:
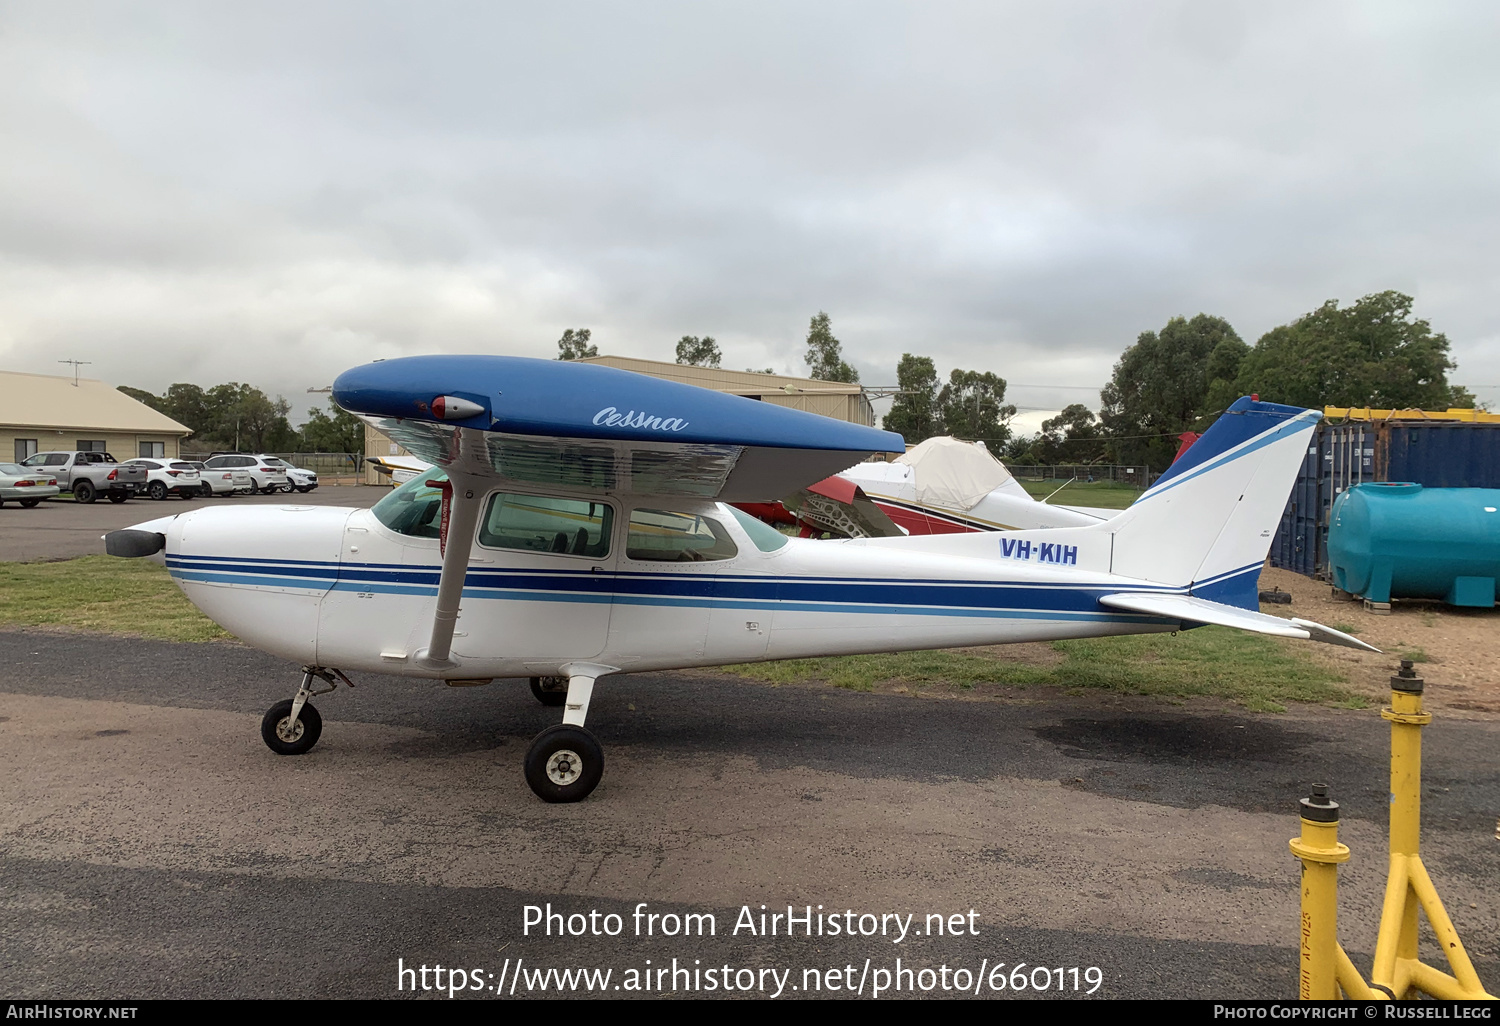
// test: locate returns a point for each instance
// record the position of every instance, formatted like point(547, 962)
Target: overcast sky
point(272, 193)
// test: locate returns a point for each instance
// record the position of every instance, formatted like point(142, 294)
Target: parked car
point(25, 486)
point(224, 482)
point(266, 472)
point(169, 477)
point(89, 475)
point(299, 479)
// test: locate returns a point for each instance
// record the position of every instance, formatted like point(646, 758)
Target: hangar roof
point(50, 401)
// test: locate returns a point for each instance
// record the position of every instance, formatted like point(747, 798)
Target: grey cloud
point(274, 192)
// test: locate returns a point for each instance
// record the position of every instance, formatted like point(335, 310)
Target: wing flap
point(1197, 610)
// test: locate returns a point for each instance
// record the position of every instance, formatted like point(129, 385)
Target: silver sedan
point(28, 486)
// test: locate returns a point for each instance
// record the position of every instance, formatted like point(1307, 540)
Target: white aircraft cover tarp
point(956, 475)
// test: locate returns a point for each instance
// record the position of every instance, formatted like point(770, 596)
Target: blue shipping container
point(1435, 454)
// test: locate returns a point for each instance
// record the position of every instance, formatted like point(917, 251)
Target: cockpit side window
point(543, 523)
point(661, 536)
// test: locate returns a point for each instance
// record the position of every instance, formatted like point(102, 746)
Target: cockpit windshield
point(415, 509)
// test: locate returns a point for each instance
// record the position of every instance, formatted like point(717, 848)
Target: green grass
point(1256, 672)
point(1416, 655)
point(1102, 494)
point(101, 593)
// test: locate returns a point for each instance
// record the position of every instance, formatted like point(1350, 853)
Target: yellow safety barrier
point(1398, 969)
point(1326, 969)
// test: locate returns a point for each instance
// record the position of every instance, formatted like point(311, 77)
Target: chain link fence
point(332, 468)
point(1139, 477)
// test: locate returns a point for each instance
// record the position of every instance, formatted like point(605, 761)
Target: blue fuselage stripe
point(1032, 600)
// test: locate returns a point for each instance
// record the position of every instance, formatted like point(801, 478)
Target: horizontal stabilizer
point(1185, 607)
point(1331, 636)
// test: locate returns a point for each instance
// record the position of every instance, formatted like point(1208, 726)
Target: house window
point(90, 445)
point(25, 447)
point(153, 450)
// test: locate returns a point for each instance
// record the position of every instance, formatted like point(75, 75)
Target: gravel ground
point(151, 846)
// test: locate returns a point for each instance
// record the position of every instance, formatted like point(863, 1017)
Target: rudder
point(1207, 522)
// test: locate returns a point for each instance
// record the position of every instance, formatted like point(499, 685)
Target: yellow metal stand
point(1398, 970)
point(1326, 969)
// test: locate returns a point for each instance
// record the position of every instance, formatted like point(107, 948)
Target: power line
point(1085, 388)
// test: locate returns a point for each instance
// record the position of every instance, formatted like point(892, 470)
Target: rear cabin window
point(662, 536)
point(541, 523)
point(765, 537)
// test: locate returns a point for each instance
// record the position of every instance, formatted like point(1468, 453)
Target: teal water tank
point(1398, 539)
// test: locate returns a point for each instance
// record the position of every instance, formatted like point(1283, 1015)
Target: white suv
point(169, 477)
point(297, 478)
point(267, 473)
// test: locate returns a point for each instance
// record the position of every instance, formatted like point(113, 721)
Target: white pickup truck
point(89, 475)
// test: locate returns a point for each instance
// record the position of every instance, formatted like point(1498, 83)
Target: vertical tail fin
point(1208, 521)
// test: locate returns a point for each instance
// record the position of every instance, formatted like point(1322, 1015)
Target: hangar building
point(46, 412)
point(827, 398)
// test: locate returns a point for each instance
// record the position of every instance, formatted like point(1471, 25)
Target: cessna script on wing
point(1039, 552)
point(611, 417)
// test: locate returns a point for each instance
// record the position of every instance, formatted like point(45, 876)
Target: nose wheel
point(285, 734)
point(294, 726)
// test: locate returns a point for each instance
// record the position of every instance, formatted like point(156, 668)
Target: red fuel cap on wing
point(448, 407)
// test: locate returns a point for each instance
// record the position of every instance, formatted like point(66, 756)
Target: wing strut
point(461, 507)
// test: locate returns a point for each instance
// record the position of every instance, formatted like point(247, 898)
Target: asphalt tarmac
point(63, 529)
point(151, 846)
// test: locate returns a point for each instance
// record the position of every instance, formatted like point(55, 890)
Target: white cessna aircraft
point(576, 524)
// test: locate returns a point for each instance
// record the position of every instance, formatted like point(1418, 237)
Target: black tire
point(548, 692)
point(189, 493)
point(309, 724)
point(304, 490)
point(156, 490)
point(117, 497)
point(268, 490)
point(206, 490)
point(29, 503)
point(83, 492)
point(564, 764)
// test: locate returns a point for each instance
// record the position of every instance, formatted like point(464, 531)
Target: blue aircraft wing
point(597, 428)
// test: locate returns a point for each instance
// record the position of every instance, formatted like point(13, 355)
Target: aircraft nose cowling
point(260, 572)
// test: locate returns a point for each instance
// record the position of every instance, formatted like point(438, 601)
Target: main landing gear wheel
point(564, 764)
point(551, 691)
point(283, 736)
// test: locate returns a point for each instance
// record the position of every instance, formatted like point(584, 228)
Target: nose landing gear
point(293, 726)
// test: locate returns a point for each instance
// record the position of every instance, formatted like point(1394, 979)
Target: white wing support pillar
point(463, 517)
